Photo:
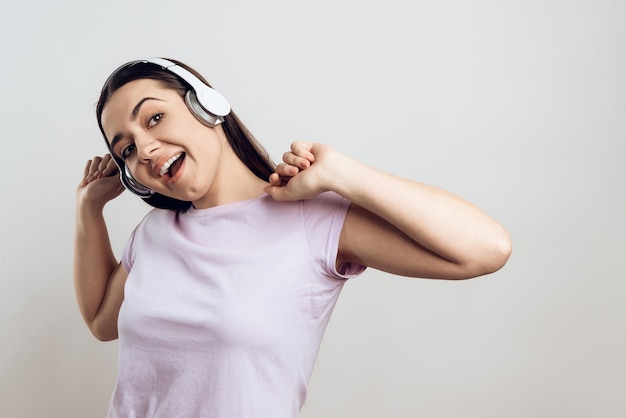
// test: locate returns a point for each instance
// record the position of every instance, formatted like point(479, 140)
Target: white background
point(519, 106)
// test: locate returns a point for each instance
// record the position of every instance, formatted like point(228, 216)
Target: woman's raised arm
point(395, 225)
point(98, 277)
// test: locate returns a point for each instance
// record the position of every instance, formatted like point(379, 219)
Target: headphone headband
point(212, 101)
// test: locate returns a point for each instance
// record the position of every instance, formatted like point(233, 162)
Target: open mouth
point(172, 165)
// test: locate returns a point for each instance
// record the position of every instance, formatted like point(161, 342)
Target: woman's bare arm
point(98, 277)
point(395, 225)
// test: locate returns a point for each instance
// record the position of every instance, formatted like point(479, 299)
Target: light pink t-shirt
point(225, 308)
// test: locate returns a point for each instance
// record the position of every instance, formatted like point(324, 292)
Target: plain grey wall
point(519, 106)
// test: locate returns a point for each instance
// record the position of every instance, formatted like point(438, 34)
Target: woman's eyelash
point(155, 119)
point(126, 151)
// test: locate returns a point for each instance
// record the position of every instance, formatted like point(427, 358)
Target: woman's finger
point(92, 170)
point(87, 167)
point(303, 150)
point(86, 174)
point(275, 179)
point(286, 170)
point(110, 168)
point(95, 163)
point(295, 160)
point(104, 163)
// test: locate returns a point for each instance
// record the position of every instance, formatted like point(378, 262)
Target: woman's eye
point(155, 119)
point(127, 151)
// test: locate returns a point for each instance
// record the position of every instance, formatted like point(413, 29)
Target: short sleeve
point(128, 255)
point(323, 219)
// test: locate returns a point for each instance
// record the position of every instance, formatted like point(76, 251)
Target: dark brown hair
point(243, 143)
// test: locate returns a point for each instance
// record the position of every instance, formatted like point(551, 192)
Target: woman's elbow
point(495, 255)
point(102, 332)
point(104, 336)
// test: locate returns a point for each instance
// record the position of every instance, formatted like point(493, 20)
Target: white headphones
point(205, 103)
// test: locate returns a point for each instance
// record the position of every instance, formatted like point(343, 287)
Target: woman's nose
point(146, 147)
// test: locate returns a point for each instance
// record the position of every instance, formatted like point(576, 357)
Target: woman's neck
point(235, 182)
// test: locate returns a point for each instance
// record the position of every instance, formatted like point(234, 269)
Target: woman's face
point(165, 147)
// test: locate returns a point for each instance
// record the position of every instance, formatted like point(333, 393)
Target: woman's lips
point(176, 169)
point(166, 166)
point(176, 165)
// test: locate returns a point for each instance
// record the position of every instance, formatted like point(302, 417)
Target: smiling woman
point(224, 290)
point(240, 140)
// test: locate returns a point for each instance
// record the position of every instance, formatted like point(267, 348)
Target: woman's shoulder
point(156, 217)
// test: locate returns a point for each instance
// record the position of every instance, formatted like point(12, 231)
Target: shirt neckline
point(226, 206)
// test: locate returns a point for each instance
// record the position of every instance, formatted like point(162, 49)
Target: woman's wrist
point(346, 176)
point(86, 207)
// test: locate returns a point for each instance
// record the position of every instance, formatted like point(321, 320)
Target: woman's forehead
point(134, 90)
point(121, 103)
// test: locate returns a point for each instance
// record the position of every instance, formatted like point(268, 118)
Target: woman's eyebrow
point(133, 116)
point(137, 107)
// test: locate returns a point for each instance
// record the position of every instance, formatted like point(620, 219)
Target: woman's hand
point(101, 182)
point(306, 171)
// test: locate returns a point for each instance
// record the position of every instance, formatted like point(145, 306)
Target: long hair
point(243, 143)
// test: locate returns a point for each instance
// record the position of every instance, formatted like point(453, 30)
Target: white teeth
point(168, 164)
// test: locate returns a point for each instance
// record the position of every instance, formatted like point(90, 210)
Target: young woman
point(224, 291)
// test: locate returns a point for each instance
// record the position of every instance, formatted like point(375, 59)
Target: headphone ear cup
point(199, 111)
point(211, 100)
point(133, 185)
